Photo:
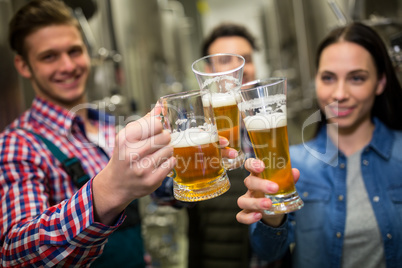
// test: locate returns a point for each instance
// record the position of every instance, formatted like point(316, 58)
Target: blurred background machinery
point(143, 49)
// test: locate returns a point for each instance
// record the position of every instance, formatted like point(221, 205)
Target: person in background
point(216, 239)
point(351, 186)
point(48, 217)
point(236, 39)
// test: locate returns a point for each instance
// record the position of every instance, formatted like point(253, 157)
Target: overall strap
point(74, 169)
point(71, 165)
point(126, 243)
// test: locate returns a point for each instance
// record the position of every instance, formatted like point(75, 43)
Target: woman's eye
point(357, 79)
point(327, 78)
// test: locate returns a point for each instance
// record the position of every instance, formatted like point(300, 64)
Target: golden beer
point(269, 137)
point(227, 122)
point(198, 166)
point(227, 119)
point(263, 107)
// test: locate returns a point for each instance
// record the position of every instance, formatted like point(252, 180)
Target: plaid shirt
point(45, 219)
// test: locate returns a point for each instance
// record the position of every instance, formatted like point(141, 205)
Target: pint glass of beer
point(262, 104)
point(199, 173)
point(221, 75)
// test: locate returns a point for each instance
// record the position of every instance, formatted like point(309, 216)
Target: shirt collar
point(53, 116)
point(325, 149)
point(61, 120)
point(383, 139)
point(381, 142)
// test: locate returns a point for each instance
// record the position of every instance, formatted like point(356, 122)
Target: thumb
point(156, 110)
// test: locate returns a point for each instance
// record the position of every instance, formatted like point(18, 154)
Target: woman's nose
point(340, 91)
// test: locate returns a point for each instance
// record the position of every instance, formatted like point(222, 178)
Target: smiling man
point(49, 215)
point(57, 64)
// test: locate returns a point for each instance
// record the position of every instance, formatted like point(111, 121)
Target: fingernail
point(257, 164)
point(233, 153)
point(257, 216)
point(273, 187)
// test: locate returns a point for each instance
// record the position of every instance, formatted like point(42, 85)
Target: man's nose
point(66, 63)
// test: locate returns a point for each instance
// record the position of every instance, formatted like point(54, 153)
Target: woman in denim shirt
point(350, 173)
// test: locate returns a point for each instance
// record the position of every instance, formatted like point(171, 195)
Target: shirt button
point(340, 197)
point(305, 194)
point(342, 165)
point(389, 236)
point(278, 233)
point(365, 162)
point(338, 234)
point(376, 198)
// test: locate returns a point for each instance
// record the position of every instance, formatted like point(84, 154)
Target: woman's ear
point(381, 85)
point(22, 67)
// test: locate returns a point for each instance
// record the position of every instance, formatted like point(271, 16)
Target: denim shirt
point(317, 230)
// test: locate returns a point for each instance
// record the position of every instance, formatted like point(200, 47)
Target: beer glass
point(262, 104)
point(199, 173)
point(220, 75)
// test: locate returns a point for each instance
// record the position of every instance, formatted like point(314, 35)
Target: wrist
point(107, 206)
point(273, 220)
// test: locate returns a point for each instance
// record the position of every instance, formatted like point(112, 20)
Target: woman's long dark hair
point(387, 106)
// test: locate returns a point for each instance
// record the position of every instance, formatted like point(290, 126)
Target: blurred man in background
point(216, 239)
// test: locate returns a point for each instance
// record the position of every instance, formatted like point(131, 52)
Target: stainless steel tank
point(11, 94)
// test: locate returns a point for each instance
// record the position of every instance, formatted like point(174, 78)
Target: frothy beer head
point(265, 121)
point(193, 137)
point(219, 100)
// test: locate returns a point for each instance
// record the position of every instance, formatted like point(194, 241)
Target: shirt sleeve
point(269, 243)
point(34, 233)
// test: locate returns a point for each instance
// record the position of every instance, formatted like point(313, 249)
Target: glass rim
point(218, 73)
point(252, 85)
point(183, 94)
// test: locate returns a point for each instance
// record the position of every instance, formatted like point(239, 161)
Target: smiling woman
point(376, 70)
point(355, 156)
point(346, 86)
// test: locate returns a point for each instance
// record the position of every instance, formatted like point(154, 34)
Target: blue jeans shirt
point(318, 228)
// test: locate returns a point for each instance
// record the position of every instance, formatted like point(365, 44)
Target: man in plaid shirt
point(46, 220)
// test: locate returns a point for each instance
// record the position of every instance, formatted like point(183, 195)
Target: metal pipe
point(342, 19)
point(302, 47)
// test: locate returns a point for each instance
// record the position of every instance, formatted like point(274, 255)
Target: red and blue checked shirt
point(45, 219)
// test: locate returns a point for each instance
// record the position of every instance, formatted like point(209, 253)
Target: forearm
point(108, 204)
point(64, 233)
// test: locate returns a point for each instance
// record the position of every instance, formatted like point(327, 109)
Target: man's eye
point(248, 58)
point(76, 52)
point(48, 57)
point(224, 60)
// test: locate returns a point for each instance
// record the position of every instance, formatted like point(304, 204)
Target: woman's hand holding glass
point(253, 202)
point(225, 150)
